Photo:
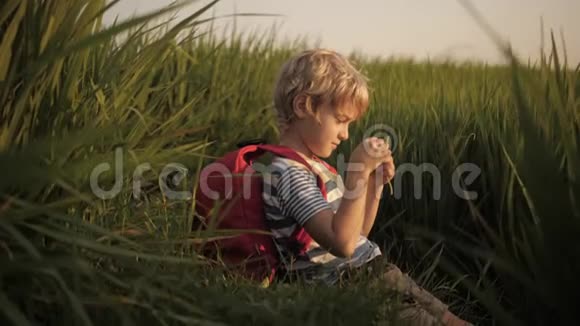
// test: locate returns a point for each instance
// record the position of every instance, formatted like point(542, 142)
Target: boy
point(317, 95)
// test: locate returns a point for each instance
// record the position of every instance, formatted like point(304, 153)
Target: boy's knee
point(394, 278)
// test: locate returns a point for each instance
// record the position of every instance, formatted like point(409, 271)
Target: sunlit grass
point(72, 92)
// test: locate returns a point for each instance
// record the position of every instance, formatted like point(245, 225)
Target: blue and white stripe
point(291, 197)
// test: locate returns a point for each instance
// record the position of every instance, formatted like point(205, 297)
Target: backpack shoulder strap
point(328, 166)
point(285, 152)
point(289, 153)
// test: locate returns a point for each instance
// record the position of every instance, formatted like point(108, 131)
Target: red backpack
point(232, 181)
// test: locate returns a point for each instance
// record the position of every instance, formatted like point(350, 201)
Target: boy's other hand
point(385, 172)
point(372, 153)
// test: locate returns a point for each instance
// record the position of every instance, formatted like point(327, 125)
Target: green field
point(73, 92)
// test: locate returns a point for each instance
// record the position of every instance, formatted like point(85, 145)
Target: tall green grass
point(73, 91)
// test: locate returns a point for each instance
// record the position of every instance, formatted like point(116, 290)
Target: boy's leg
point(424, 308)
point(422, 300)
point(414, 315)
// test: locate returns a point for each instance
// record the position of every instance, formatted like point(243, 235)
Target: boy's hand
point(381, 176)
point(385, 172)
point(371, 153)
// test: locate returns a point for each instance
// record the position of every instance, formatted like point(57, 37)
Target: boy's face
point(322, 139)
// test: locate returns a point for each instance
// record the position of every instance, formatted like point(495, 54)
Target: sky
point(421, 29)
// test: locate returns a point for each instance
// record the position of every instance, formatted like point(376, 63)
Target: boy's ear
point(300, 106)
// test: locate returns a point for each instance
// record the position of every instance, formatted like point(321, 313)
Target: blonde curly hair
point(325, 77)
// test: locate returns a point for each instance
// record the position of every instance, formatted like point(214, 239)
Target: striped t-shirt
point(291, 197)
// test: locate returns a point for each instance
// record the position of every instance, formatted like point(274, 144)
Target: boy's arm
point(340, 232)
point(377, 181)
point(373, 197)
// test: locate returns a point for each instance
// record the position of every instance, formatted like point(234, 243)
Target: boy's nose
point(343, 135)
